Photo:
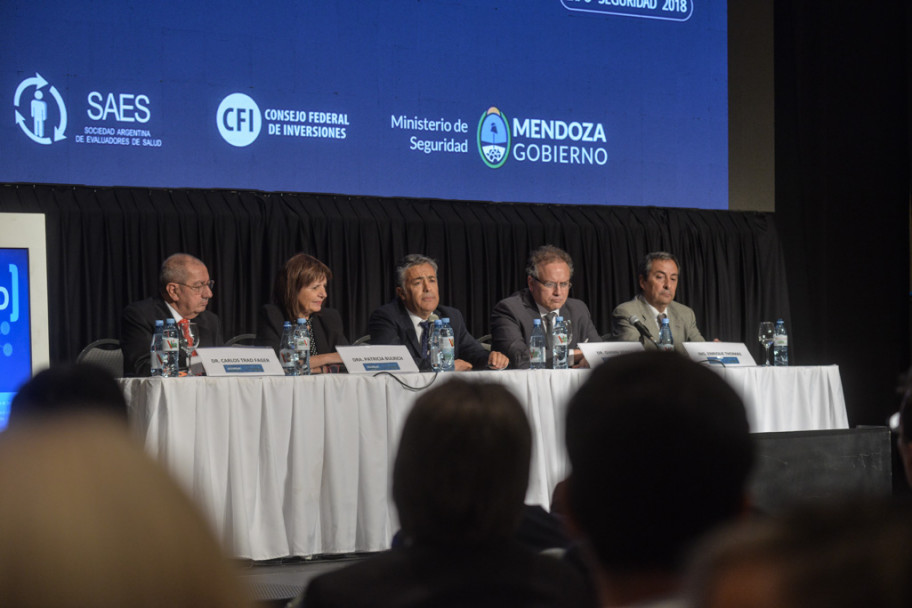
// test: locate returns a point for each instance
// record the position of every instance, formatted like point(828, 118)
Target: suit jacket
point(681, 319)
point(502, 575)
point(137, 324)
point(511, 326)
point(391, 324)
point(326, 325)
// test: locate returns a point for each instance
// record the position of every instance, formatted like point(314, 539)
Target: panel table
point(301, 466)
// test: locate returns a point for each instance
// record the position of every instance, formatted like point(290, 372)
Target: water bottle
point(156, 354)
point(170, 349)
point(302, 340)
point(559, 344)
point(447, 343)
point(666, 341)
point(780, 344)
point(434, 346)
point(287, 351)
point(537, 345)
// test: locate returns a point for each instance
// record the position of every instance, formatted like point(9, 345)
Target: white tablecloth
point(301, 466)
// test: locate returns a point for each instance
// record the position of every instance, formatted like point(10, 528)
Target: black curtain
point(105, 246)
point(843, 187)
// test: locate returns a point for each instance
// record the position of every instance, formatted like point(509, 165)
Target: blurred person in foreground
point(459, 482)
point(88, 519)
point(901, 425)
point(299, 293)
point(68, 389)
point(660, 454)
point(856, 552)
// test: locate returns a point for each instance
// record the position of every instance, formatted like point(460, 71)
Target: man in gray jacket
point(658, 278)
point(548, 276)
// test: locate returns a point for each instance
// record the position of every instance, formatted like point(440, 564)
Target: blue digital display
point(15, 328)
point(555, 101)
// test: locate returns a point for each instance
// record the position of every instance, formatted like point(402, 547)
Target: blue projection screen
point(619, 102)
point(15, 326)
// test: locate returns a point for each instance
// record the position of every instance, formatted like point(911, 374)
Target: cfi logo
point(43, 119)
point(493, 138)
point(239, 120)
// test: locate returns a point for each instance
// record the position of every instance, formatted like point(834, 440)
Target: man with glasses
point(548, 275)
point(185, 291)
point(658, 279)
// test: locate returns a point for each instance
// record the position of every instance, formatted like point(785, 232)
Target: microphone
point(432, 317)
point(644, 331)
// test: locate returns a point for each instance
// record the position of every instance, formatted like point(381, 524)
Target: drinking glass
point(569, 327)
point(765, 336)
point(189, 341)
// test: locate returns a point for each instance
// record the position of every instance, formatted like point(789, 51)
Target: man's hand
point(497, 360)
point(579, 361)
point(461, 366)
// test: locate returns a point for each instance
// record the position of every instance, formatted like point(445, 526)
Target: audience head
point(300, 287)
point(90, 520)
point(68, 389)
point(548, 275)
point(660, 453)
point(416, 284)
point(658, 278)
point(462, 467)
point(843, 555)
point(903, 427)
point(185, 284)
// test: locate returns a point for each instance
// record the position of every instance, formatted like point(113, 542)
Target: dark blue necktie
point(425, 338)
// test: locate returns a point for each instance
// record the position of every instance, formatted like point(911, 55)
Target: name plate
point(239, 361)
point(727, 354)
point(373, 358)
point(597, 353)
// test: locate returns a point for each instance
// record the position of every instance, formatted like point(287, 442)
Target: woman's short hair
point(298, 272)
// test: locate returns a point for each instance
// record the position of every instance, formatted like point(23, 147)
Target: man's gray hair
point(174, 269)
point(547, 254)
point(646, 265)
point(412, 259)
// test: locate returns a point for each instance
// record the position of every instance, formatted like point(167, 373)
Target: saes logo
point(239, 120)
point(493, 138)
point(35, 114)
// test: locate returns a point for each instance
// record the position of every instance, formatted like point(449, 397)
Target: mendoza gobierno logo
point(493, 138)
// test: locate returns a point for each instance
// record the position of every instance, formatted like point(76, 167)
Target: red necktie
point(184, 325)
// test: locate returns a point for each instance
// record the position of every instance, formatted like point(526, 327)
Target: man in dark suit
point(407, 319)
point(185, 291)
point(548, 275)
point(658, 279)
point(459, 493)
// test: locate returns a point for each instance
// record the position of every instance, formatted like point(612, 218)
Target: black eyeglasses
point(552, 285)
point(199, 286)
